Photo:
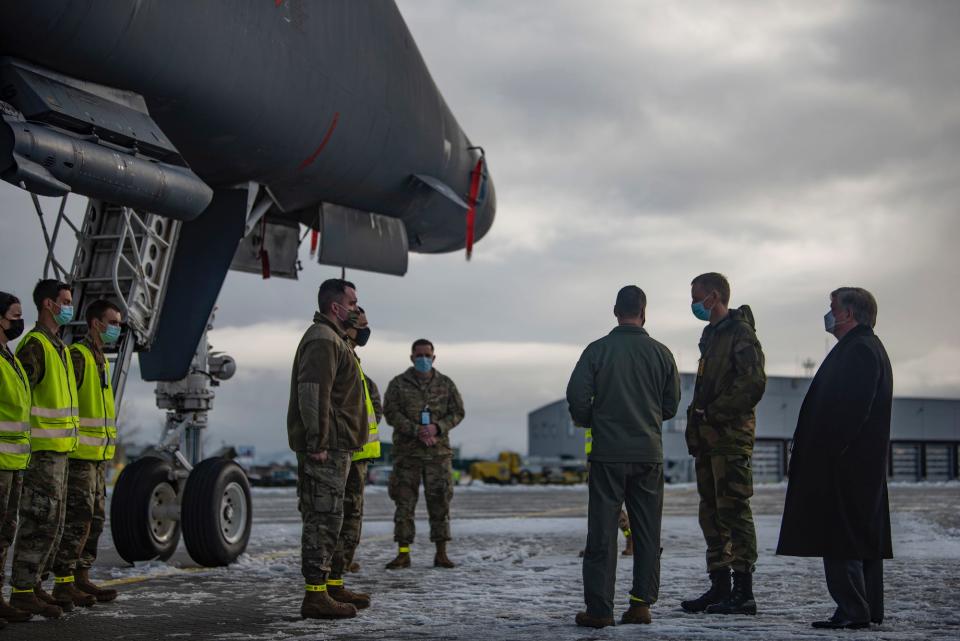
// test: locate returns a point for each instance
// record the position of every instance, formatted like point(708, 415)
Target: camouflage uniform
point(730, 383)
point(407, 396)
point(326, 413)
point(353, 502)
point(11, 485)
point(86, 494)
point(44, 497)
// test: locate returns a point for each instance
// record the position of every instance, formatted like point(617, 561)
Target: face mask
point(110, 336)
point(829, 321)
point(423, 364)
point(65, 315)
point(363, 335)
point(701, 312)
point(16, 328)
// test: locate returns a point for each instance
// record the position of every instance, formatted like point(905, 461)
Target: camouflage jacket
point(406, 397)
point(32, 357)
point(327, 409)
point(80, 363)
point(730, 383)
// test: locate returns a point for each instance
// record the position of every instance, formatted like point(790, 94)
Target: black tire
point(137, 536)
point(216, 512)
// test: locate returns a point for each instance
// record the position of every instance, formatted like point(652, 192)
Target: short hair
point(99, 308)
point(860, 302)
point(714, 282)
point(48, 288)
point(6, 302)
point(631, 301)
point(330, 291)
point(421, 342)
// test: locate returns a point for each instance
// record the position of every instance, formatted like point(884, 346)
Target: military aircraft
point(205, 136)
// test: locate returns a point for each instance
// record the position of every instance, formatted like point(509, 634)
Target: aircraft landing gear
point(144, 512)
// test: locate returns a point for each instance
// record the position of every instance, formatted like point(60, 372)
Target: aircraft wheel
point(143, 511)
point(216, 512)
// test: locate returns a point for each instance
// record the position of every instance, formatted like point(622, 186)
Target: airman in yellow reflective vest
point(14, 436)
point(349, 539)
point(54, 423)
point(87, 478)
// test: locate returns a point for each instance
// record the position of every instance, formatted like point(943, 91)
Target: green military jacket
point(730, 383)
point(327, 410)
point(405, 399)
point(623, 387)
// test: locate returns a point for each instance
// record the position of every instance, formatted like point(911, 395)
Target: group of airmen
point(57, 436)
point(332, 426)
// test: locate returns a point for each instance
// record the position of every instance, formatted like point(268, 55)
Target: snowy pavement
point(518, 578)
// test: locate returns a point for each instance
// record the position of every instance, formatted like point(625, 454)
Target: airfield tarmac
point(518, 577)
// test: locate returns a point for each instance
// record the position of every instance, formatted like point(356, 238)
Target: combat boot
point(589, 621)
point(628, 548)
point(102, 595)
point(317, 604)
point(11, 614)
point(638, 612)
point(341, 594)
point(65, 590)
point(66, 604)
point(719, 591)
point(31, 604)
point(440, 559)
point(402, 560)
point(740, 600)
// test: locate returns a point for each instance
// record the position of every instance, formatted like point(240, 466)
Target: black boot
point(740, 600)
point(719, 591)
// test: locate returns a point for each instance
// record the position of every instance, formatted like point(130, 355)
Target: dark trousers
point(639, 487)
point(857, 587)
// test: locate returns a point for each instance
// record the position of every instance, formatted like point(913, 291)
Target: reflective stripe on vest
point(588, 442)
point(54, 417)
point(98, 426)
point(371, 449)
point(14, 416)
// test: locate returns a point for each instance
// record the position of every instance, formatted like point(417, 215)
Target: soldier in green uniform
point(54, 421)
point(87, 478)
point(721, 422)
point(326, 423)
point(14, 437)
point(423, 406)
point(357, 336)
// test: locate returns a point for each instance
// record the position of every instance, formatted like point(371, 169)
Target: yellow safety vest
point(371, 449)
point(54, 417)
point(14, 416)
point(588, 442)
point(98, 424)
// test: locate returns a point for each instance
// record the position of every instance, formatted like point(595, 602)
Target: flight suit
point(407, 398)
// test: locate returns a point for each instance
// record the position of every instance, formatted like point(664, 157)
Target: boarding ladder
point(124, 256)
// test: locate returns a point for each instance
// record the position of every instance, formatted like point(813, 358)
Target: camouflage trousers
point(352, 519)
point(725, 485)
point(43, 507)
point(404, 489)
point(320, 487)
point(83, 525)
point(11, 484)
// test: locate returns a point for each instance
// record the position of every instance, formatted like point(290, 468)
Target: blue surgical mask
point(65, 315)
point(829, 321)
point(423, 364)
point(110, 336)
point(701, 312)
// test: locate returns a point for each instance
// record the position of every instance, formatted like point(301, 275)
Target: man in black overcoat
point(836, 506)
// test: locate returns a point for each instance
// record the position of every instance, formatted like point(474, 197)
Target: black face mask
point(16, 328)
point(363, 335)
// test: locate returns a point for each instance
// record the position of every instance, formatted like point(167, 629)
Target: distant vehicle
point(511, 469)
point(379, 474)
point(276, 478)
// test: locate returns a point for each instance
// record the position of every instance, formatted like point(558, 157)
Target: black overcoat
point(836, 503)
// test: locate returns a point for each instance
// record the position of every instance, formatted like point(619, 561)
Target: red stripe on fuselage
point(309, 160)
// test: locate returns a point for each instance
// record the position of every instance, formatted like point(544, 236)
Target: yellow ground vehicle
point(507, 469)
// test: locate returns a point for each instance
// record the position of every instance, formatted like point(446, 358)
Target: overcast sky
point(794, 146)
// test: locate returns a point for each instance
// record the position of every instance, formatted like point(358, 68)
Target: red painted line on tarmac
point(309, 160)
